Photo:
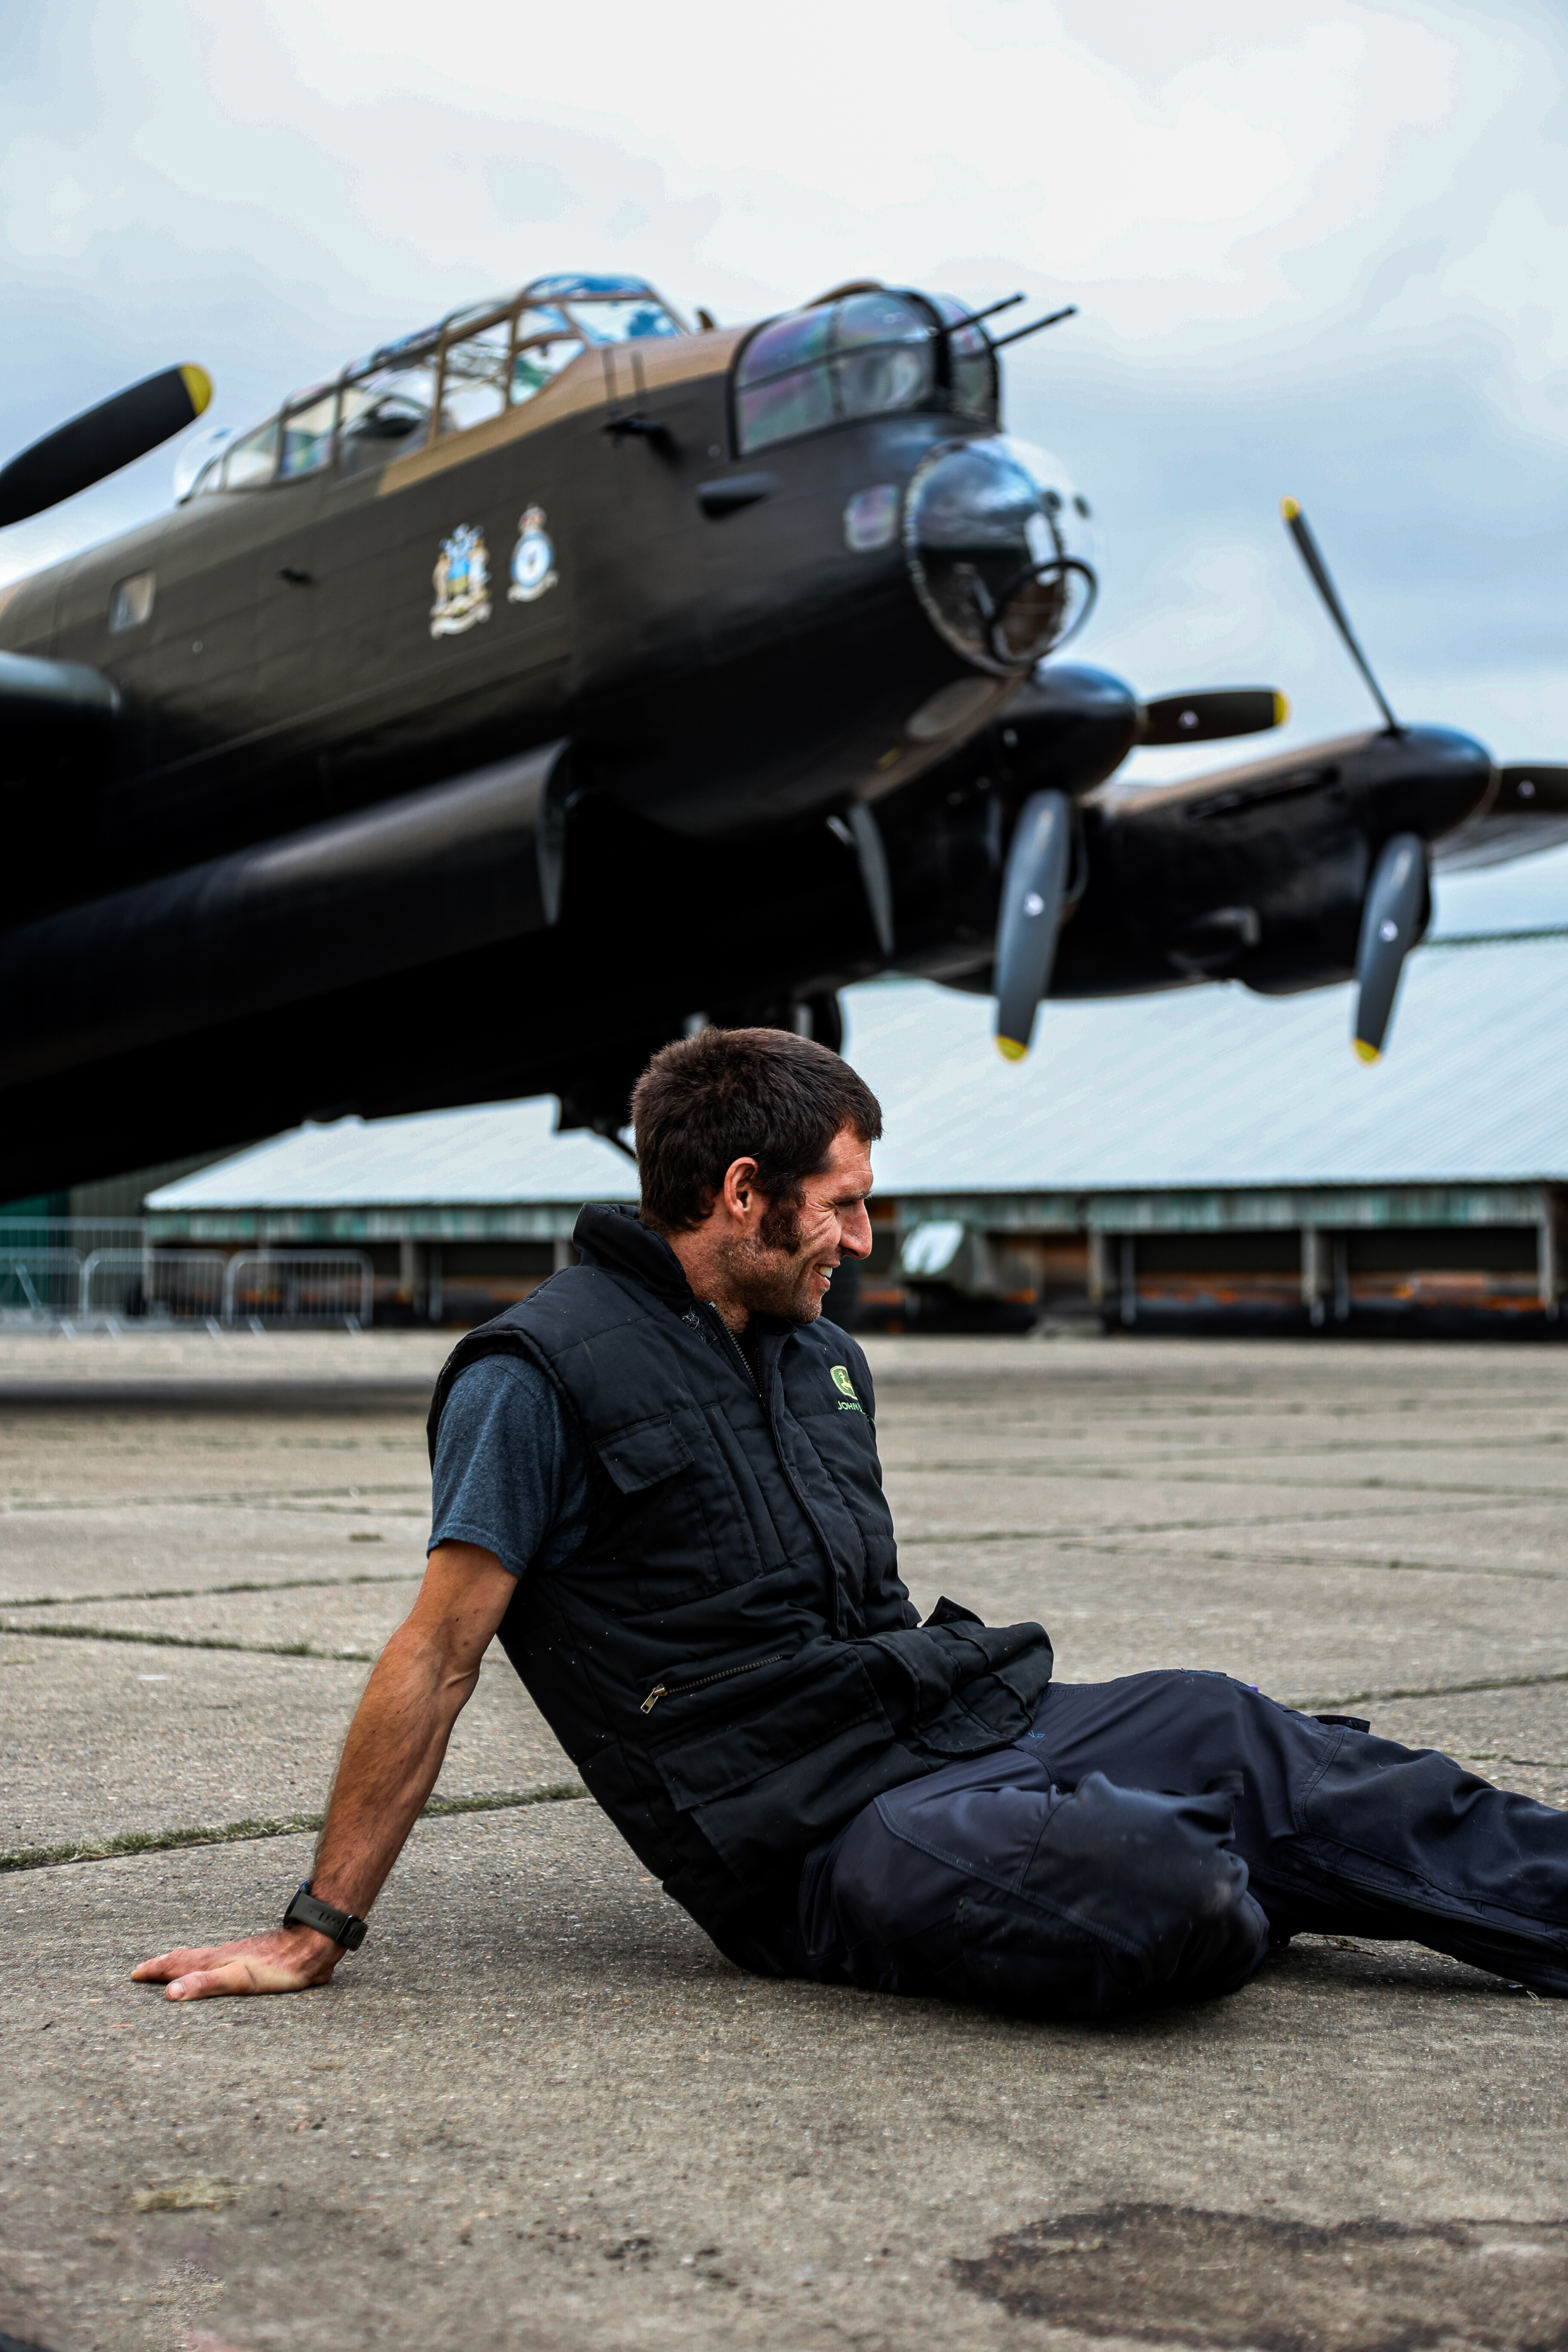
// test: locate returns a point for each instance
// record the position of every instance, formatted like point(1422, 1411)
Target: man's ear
point(740, 1188)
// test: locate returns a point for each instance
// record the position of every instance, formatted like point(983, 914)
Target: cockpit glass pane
point(546, 343)
point(788, 404)
point(384, 415)
point(474, 385)
point(254, 460)
point(872, 382)
point(623, 318)
point(308, 437)
point(972, 367)
point(864, 356)
point(787, 343)
point(876, 319)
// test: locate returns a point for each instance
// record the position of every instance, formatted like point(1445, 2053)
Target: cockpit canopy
point(476, 364)
point(862, 351)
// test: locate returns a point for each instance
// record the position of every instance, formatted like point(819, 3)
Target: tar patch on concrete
point(1178, 2275)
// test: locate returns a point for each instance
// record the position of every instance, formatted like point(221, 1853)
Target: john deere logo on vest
point(846, 1387)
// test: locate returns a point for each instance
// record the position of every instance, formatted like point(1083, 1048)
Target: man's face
point(784, 1265)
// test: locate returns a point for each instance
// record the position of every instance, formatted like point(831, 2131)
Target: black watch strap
point(341, 1925)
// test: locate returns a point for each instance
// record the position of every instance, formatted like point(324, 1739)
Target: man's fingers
point(173, 1964)
point(236, 1977)
point(284, 1960)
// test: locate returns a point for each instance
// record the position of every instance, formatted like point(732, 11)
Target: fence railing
point(299, 1287)
point(38, 1285)
point(65, 1271)
point(158, 1284)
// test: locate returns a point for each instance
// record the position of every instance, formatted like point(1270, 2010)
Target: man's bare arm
point(391, 1758)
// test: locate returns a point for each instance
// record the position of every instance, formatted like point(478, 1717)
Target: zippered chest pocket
point(702, 1682)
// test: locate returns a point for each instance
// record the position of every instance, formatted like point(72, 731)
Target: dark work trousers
point(1151, 1837)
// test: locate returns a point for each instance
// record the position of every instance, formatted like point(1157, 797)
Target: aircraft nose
point(1452, 774)
point(990, 541)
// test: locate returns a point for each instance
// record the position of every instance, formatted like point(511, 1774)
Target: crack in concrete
point(1433, 1690)
point(51, 1857)
point(211, 1591)
point(187, 1642)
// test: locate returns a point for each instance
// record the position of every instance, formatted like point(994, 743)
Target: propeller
point(1033, 886)
point(1391, 922)
point(1307, 548)
point(1213, 714)
point(106, 437)
point(1394, 912)
point(1528, 813)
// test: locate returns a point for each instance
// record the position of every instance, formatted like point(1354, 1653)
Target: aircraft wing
point(1528, 814)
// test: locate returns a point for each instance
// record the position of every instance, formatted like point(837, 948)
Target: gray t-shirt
point(511, 1471)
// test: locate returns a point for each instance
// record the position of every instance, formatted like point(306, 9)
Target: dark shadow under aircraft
point(559, 678)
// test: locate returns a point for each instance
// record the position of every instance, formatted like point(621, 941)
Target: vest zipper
point(726, 1673)
point(791, 1481)
point(734, 1345)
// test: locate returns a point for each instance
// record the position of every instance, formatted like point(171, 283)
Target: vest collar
point(613, 1237)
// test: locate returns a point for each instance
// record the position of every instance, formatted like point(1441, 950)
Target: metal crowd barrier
point(63, 1271)
point(265, 1287)
point(38, 1285)
point(127, 1284)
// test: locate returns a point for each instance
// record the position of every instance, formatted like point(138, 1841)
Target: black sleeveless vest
point(731, 1660)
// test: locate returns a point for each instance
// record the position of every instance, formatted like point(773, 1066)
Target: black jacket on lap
point(731, 1660)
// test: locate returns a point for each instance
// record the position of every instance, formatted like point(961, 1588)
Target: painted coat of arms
point(533, 560)
point(462, 582)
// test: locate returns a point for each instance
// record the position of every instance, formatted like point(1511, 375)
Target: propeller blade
point(1391, 923)
point(1031, 888)
point(1307, 548)
point(1528, 814)
point(1531, 789)
point(110, 435)
point(1217, 712)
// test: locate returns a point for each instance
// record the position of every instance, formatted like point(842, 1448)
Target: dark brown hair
point(740, 1093)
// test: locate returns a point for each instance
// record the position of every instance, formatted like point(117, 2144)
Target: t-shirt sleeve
point(509, 1473)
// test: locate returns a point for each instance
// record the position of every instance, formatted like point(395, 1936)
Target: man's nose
point(854, 1233)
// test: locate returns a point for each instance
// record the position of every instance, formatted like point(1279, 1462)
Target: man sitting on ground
point(655, 1480)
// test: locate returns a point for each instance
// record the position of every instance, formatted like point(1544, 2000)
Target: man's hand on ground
point(388, 1768)
point(286, 1960)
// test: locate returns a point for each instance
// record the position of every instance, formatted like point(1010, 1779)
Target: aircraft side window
point(546, 342)
point(384, 415)
point(130, 600)
point(307, 437)
point(474, 376)
point(254, 460)
point(861, 357)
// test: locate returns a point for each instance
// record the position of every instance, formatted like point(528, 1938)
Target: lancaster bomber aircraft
point(562, 675)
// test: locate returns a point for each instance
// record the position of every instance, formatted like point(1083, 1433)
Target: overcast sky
point(1317, 248)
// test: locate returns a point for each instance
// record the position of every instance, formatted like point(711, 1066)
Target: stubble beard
point(771, 1273)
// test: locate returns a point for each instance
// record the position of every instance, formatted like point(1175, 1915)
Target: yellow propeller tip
point(1365, 1052)
point(1281, 707)
point(1289, 510)
point(1010, 1049)
point(199, 385)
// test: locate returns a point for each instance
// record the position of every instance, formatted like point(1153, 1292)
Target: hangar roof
point(1208, 1087)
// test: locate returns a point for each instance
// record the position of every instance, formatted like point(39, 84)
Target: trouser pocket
point(986, 1883)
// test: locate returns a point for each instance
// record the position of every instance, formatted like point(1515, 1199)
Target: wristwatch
point(343, 1928)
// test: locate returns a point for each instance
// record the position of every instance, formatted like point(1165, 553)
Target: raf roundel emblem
point(533, 560)
point(462, 582)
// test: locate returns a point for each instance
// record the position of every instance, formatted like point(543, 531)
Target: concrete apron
point(539, 2109)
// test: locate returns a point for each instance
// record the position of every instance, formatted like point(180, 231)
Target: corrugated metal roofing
point(1203, 1088)
point(503, 1152)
